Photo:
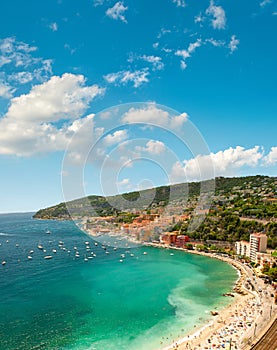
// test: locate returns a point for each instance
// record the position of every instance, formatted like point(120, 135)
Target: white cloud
point(21, 77)
point(124, 182)
point(183, 65)
point(53, 26)
point(16, 52)
point(199, 18)
point(265, 2)
point(155, 60)
point(98, 2)
point(6, 91)
point(153, 115)
point(187, 53)
point(64, 97)
point(117, 11)
point(179, 3)
point(233, 45)
point(271, 158)
point(17, 57)
point(218, 14)
point(155, 147)
point(117, 137)
point(222, 163)
point(137, 77)
point(31, 124)
point(216, 43)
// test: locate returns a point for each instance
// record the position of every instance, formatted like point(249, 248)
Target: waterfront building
point(258, 244)
point(243, 248)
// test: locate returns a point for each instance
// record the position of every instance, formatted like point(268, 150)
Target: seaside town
point(238, 225)
point(253, 311)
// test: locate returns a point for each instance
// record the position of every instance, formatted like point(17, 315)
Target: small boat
point(54, 251)
point(17, 245)
point(75, 248)
point(171, 254)
point(48, 232)
point(7, 241)
point(86, 243)
point(31, 252)
point(122, 255)
point(3, 262)
point(40, 246)
point(144, 253)
point(30, 257)
point(44, 250)
point(86, 259)
point(96, 244)
point(132, 254)
point(121, 260)
point(48, 257)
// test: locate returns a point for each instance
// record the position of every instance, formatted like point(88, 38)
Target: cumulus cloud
point(137, 77)
point(153, 147)
point(35, 122)
point(271, 158)
point(222, 163)
point(233, 45)
point(116, 137)
point(117, 11)
point(153, 115)
point(218, 14)
point(64, 97)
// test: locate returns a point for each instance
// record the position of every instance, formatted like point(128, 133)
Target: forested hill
point(253, 196)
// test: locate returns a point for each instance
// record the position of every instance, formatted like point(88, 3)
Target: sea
point(102, 296)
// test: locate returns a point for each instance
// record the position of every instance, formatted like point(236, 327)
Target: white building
point(258, 244)
point(243, 248)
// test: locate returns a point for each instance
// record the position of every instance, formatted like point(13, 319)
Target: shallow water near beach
point(143, 302)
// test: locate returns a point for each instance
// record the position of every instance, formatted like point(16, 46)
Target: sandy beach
point(242, 322)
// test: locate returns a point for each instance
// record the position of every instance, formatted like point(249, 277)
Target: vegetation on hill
point(239, 207)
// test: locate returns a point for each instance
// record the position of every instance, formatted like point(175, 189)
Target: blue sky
point(205, 73)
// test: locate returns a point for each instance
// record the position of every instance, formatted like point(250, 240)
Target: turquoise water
point(144, 302)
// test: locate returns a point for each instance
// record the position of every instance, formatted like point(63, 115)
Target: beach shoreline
point(236, 324)
point(242, 322)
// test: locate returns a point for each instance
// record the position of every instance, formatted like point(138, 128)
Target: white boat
point(95, 243)
point(121, 260)
point(3, 262)
point(48, 257)
point(86, 243)
point(48, 232)
point(54, 251)
point(86, 259)
point(40, 246)
point(144, 253)
point(31, 252)
point(30, 257)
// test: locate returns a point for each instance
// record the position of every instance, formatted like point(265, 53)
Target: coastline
point(242, 322)
point(236, 324)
